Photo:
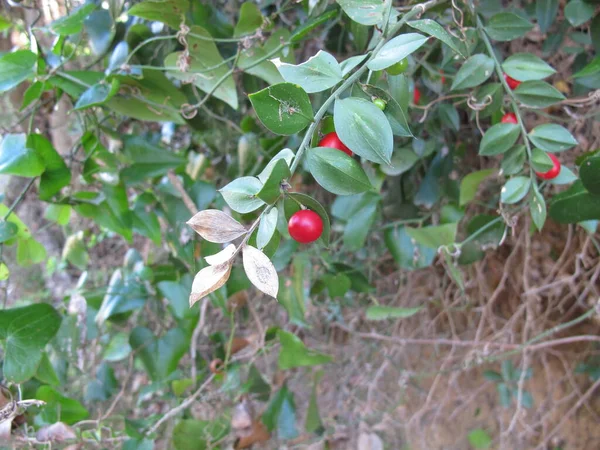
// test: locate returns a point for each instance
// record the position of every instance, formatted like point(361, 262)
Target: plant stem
point(19, 199)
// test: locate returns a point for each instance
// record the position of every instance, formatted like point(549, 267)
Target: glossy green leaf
point(474, 71)
point(470, 184)
point(171, 12)
point(589, 172)
point(266, 228)
point(30, 252)
point(313, 423)
point(191, 434)
point(117, 57)
point(73, 23)
point(8, 230)
point(449, 116)
point(271, 189)
point(59, 407)
point(396, 50)
point(514, 160)
point(579, 12)
point(363, 128)
point(56, 174)
point(394, 113)
point(499, 138)
point(241, 194)
point(100, 28)
point(364, 213)
point(286, 154)
point(337, 172)
point(545, 11)
point(365, 12)
point(250, 19)
point(305, 28)
point(33, 93)
point(574, 205)
point(315, 206)
point(390, 312)
point(526, 67)
point(294, 353)
point(538, 94)
point(565, 176)
point(283, 108)
point(432, 28)
point(17, 159)
point(515, 189)
point(258, 61)
point(124, 293)
point(537, 208)
point(147, 160)
point(403, 160)
point(25, 332)
point(434, 236)
point(15, 68)
point(318, 73)
point(160, 356)
point(22, 229)
point(552, 137)
point(408, 254)
point(206, 66)
point(46, 373)
point(592, 68)
point(540, 161)
point(507, 26)
point(280, 414)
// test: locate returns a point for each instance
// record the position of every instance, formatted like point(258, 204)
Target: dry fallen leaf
point(369, 441)
point(222, 257)
point(259, 433)
point(57, 432)
point(241, 418)
point(216, 226)
point(238, 344)
point(208, 280)
point(260, 271)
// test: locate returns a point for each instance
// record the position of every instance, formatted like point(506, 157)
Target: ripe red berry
point(552, 173)
point(416, 96)
point(509, 118)
point(305, 226)
point(443, 77)
point(512, 83)
point(332, 140)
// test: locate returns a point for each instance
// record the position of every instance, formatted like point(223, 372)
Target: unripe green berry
point(398, 68)
point(380, 103)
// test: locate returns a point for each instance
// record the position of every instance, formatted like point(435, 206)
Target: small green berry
point(380, 103)
point(398, 68)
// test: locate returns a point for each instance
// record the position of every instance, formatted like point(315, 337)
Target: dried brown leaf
point(209, 280)
point(369, 441)
point(241, 418)
point(260, 271)
point(222, 257)
point(259, 434)
point(216, 226)
point(57, 432)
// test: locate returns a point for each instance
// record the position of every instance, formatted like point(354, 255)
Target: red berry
point(443, 77)
point(512, 83)
point(416, 96)
point(332, 140)
point(552, 173)
point(509, 118)
point(305, 226)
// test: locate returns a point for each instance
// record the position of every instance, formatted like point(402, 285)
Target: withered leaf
point(222, 257)
point(260, 270)
point(57, 432)
point(216, 226)
point(209, 280)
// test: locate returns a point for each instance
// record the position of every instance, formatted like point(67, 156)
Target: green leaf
point(365, 12)
point(206, 66)
point(470, 184)
point(390, 312)
point(241, 194)
point(171, 12)
point(538, 94)
point(100, 29)
point(515, 189)
point(513, 160)
point(432, 28)
point(408, 254)
point(474, 71)
point(574, 205)
point(30, 252)
point(318, 73)
point(5, 23)
point(394, 113)
point(8, 230)
point(266, 228)
point(250, 20)
point(286, 154)
point(552, 138)
point(294, 353)
point(73, 23)
point(364, 129)
point(362, 218)
point(280, 414)
point(337, 172)
point(258, 61)
point(545, 11)
point(507, 26)
point(526, 67)
point(33, 93)
point(75, 251)
point(271, 189)
point(15, 68)
point(396, 50)
point(434, 236)
point(17, 159)
point(499, 138)
point(578, 12)
point(305, 28)
point(449, 116)
point(22, 229)
point(337, 285)
point(403, 160)
point(283, 108)
point(590, 69)
point(540, 161)
point(313, 423)
point(60, 408)
point(537, 208)
point(118, 347)
point(315, 206)
point(46, 373)
point(479, 438)
point(565, 176)
point(589, 172)
point(25, 332)
point(124, 293)
point(160, 356)
point(56, 175)
point(147, 160)
point(97, 95)
point(191, 434)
